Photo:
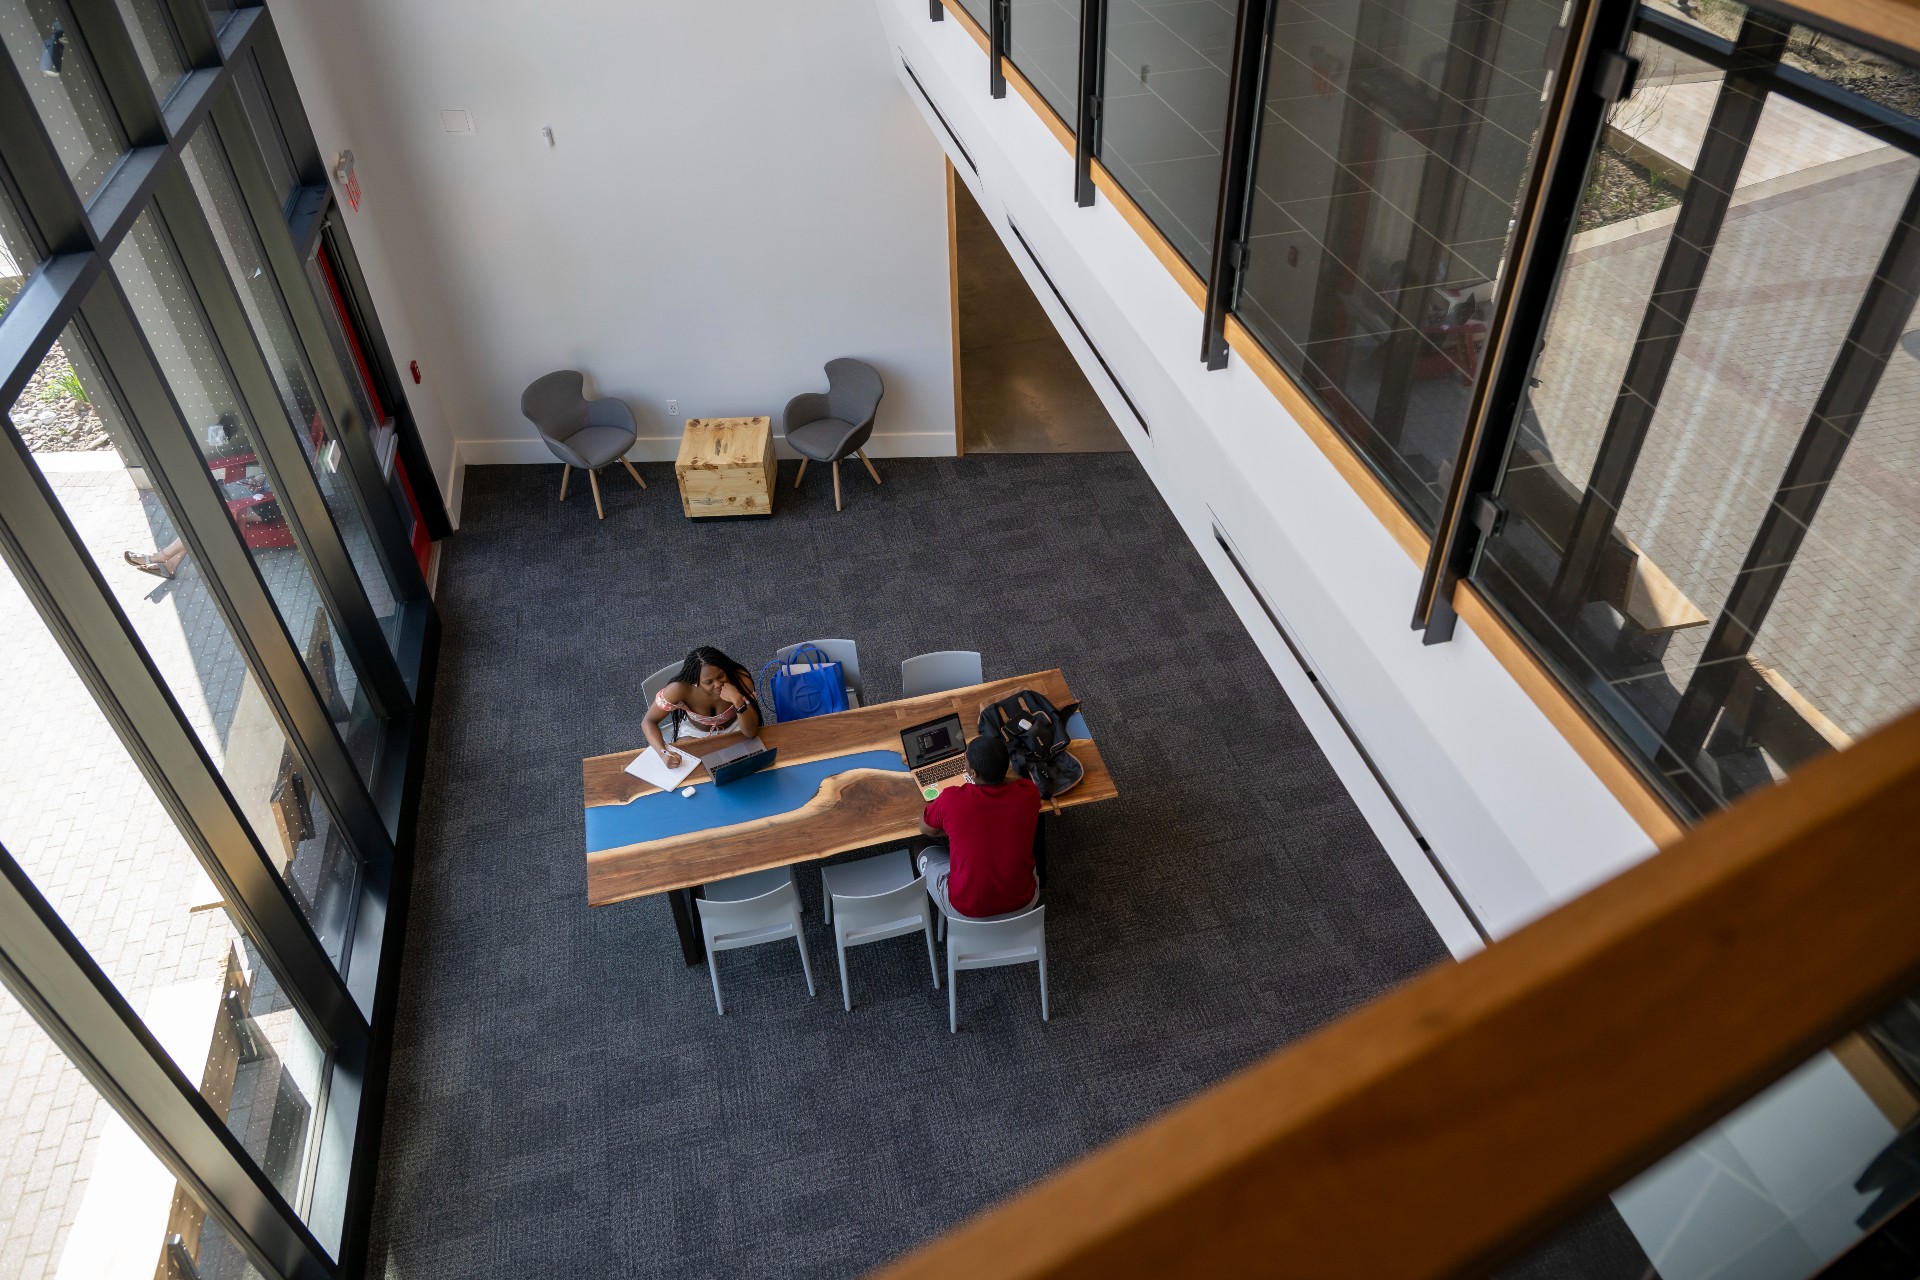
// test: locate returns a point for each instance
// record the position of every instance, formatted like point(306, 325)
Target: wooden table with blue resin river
point(841, 783)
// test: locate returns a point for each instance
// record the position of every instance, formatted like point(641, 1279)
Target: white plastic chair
point(874, 899)
point(654, 684)
point(745, 911)
point(844, 652)
point(988, 944)
point(939, 672)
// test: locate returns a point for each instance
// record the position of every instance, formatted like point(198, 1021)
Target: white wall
point(740, 192)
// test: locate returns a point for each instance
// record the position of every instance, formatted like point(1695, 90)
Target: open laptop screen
point(936, 740)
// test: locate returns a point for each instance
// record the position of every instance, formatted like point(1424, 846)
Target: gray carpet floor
point(564, 1100)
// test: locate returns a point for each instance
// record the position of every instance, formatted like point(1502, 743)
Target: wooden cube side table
point(726, 467)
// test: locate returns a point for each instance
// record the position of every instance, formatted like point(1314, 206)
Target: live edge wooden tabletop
point(851, 810)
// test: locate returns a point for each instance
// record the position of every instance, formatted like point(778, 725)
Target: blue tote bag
point(807, 684)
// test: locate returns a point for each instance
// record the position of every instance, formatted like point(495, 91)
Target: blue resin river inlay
point(766, 794)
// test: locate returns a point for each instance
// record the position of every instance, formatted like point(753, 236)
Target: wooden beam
point(1454, 1122)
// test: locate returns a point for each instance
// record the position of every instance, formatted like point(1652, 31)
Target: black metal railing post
point(1253, 28)
point(999, 42)
point(1086, 125)
point(1590, 71)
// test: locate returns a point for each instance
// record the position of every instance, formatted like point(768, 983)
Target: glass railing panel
point(1392, 151)
point(1045, 45)
point(1164, 113)
point(1714, 529)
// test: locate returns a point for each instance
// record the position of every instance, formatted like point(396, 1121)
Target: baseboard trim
point(482, 453)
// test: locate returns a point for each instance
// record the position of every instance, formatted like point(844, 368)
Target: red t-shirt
point(990, 833)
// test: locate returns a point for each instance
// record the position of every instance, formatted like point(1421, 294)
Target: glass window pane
point(219, 11)
point(80, 1193)
point(1391, 154)
point(171, 320)
point(978, 10)
point(265, 125)
point(1045, 44)
point(17, 255)
point(1164, 113)
point(60, 81)
point(82, 448)
point(153, 43)
point(125, 881)
point(233, 230)
point(1714, 533)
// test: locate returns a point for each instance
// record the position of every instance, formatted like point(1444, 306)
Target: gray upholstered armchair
point(827, 428)
point(583, 433)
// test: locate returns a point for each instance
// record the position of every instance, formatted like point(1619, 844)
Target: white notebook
point(649, 767)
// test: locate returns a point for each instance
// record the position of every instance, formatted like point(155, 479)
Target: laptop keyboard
point(941, 772)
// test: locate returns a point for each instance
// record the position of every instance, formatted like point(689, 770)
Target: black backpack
point(1035, 732)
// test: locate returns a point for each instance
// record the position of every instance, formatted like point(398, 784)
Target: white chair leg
point(932, 963)
point(800, 941)
point(846, 992)
point(713, 971)
point(953, 998)
point(826, 895)
point(1043, 980)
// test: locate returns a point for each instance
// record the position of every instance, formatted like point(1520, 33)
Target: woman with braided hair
point(713, 694)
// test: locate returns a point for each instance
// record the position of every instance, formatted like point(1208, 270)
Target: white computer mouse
point(687, 792)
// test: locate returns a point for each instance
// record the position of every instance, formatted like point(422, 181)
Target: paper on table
point(649, 767)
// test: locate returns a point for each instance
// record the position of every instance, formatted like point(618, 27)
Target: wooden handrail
point(1458, 1119)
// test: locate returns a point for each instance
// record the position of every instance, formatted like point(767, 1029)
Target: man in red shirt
point(989, 823)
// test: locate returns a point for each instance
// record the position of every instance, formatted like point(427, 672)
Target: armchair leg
point(566, 474)
point(836, 485)
point(862, 453)
point(803, 472)
point(625, 462)
point(593, 478)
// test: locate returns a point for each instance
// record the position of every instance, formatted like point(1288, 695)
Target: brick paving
point(1784, 283)
point(77, 815)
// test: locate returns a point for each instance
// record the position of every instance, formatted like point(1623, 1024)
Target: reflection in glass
point(206, 169)
point(978, 10)
point(60, 80)
point(17, 255)
point(73, 429)
point(1164, 114)
point(84, 1196)
point(1391, 153)
point(1714, 530)
point(152, 38)
point(1045, 45)
point(77, 815)
point(170, 318)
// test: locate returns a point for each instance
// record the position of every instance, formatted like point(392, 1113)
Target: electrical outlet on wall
point(673, 408)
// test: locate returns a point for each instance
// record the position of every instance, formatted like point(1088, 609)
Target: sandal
point(148, 564)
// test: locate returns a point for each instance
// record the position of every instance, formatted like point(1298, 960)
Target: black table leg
point(691, 949)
